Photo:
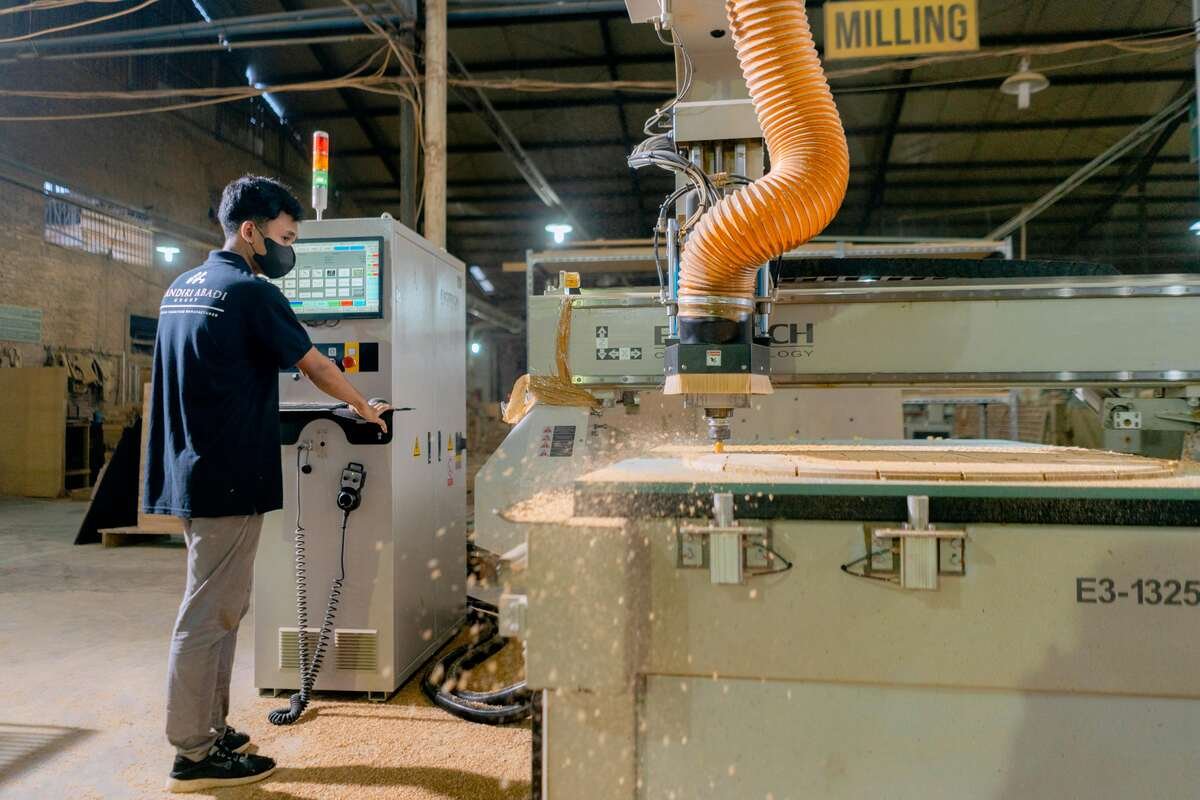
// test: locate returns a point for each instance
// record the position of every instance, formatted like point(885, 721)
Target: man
point(213, 458)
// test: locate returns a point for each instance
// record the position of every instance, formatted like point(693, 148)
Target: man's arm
point(330, 380)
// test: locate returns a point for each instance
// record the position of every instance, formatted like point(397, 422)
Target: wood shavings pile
point(406, 749)
point(554, 505)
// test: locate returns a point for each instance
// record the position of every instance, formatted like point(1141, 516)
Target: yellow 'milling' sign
point(900, 27)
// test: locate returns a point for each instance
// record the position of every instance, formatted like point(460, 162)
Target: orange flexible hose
point(810, 163)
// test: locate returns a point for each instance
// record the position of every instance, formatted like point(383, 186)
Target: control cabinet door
point(412, 340)
point(449, 542)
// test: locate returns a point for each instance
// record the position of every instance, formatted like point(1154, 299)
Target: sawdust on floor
point(405, 749)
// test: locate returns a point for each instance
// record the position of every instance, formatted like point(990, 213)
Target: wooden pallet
point(115, 537)
point(147, 524)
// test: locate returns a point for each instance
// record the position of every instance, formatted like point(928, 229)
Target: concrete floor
point(83, 645)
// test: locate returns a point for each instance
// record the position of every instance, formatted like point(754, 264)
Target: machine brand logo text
point(783, 334)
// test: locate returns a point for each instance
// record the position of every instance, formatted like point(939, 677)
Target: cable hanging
point(657, 149)
point(310, 669)
point(82, 23)
point(50, 5)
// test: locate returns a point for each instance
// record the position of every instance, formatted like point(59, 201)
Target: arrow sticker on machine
point(619, 354)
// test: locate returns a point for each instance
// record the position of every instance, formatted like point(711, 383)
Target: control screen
point(335, 279)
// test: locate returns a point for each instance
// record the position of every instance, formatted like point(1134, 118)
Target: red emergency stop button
point(348, 362)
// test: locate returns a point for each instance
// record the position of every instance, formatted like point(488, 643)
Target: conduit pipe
point(810, 163)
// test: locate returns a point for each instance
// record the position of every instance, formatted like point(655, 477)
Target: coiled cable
point(299, 701)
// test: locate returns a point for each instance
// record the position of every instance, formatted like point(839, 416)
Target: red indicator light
point(320, 152)
point(320, 172)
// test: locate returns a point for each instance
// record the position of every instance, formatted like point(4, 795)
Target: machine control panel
point(351, 357)
point(336, 279)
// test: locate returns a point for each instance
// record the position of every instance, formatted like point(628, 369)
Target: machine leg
point(536, 764)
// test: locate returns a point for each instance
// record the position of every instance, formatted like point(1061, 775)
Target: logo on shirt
point(194, 299)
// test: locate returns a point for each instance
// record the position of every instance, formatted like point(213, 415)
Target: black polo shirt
point(213, 444)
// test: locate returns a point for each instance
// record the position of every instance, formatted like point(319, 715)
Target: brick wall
point(170, 167)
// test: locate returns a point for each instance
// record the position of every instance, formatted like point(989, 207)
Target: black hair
point(255, 198)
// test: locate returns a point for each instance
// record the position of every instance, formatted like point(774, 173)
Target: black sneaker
point(220, 768)
point(234, 741)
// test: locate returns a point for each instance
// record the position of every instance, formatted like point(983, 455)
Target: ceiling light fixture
point(481, 279)
point(560, 231)
point(168, 252)
point(1024, 84)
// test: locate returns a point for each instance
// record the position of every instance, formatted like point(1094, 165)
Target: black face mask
point(277, 261)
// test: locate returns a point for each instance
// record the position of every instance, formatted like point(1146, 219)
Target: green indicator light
point(320, 178)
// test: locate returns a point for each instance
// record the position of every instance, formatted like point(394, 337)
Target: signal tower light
point(320, 172)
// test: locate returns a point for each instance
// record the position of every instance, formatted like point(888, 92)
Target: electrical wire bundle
point(659, 150)
point(441, 683)
point(49, 5)
point(1168, 42)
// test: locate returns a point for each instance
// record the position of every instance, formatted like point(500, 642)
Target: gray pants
point(220, 572)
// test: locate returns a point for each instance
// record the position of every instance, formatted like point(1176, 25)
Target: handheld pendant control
point(349, 495)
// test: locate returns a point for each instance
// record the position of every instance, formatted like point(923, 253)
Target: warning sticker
point(712, 358)
point(417, 447)
point(558, 441)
